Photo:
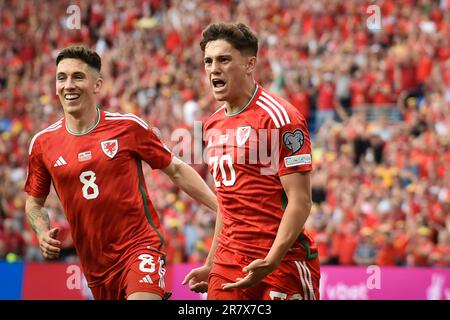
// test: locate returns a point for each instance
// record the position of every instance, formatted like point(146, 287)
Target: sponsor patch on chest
point(84, 156)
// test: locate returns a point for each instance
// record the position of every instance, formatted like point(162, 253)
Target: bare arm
point(186, 178)
point(298, 190)
point(214, 244)
point(39, 220)
point(37, 215)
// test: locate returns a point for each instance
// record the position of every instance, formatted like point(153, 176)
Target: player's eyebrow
point(76, 73)
point(220, 56)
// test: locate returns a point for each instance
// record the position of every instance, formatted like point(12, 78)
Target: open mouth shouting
point(218, 85)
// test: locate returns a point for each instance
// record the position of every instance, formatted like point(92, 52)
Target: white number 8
point(87, 178)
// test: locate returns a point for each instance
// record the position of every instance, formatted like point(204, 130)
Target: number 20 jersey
point(99, 180)
point(247, 153)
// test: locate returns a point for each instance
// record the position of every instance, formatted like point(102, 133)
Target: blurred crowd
point(381, 180)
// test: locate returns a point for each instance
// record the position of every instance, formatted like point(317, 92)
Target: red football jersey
point(99, 181)
point(247, 153)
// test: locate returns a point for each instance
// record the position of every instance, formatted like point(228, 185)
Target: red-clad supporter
point(440, 256)
point(175, 241)
point(349, 242)
point(11, 238)
point(420, 248)
point(358, 89)
point(387, 254)
point(299, 97)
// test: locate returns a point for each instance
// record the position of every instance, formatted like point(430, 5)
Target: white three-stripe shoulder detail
point(272, 107)
point(116, 114)
point(128, 116)
point(277, 104)
point(267, 109)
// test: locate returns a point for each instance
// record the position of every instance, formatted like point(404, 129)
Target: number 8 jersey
point(99, 180)
point(247, 152)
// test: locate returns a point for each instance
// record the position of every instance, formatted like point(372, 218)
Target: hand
point(256, 271)
point(49, 246)
point(198, 279)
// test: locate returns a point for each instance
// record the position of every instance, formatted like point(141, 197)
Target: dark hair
point(240, 36)
point(89, 56)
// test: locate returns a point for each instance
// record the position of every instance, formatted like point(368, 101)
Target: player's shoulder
point(217, 115)
point(46, 133)
point(125, 119)
point(277, 110)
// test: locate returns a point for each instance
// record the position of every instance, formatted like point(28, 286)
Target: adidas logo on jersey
point(60, 162)
point(146, 279)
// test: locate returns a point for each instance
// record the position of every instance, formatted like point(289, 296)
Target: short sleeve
point(294, 147)
point(38, 178)
point(151, 149)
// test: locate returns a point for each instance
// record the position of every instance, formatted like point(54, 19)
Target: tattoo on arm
point(38, 218)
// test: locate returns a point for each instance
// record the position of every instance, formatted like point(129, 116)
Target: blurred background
point(376, 98)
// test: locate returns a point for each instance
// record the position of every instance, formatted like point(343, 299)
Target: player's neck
point(236, 106)
point(83, 124)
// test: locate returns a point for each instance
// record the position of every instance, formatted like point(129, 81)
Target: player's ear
point(98, 85)
point(251, 64)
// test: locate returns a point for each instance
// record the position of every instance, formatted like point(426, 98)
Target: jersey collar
point(245, 107)
point(88, 130)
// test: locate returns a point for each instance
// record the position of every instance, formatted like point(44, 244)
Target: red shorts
point(291, 280)
point(143, 273)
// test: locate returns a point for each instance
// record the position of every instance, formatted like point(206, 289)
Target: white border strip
point(128, 118)
point(274, 108)
point(128, 115)
point(275, 102)
point(259, 103)
point(305, 294)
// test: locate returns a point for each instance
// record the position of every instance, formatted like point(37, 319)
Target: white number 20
point(216, 163)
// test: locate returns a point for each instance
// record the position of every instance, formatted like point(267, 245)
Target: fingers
point(241, 283)
point(52, 242)
point(200, 287)
point(50, 252)
point(51, 237)
point(51, 256)
point(249, 280)
point(198, 274)
point(51, 249)
point(192, 278)
point(255, 264)
point(49, 242)
point(189, 277)
point(53, 233)
point(49, 246)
